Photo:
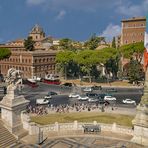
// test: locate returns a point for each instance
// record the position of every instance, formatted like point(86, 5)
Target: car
point(111, 90)
point(87, 89)
point(129, 101)
point(42, 101)
point(93, 100)
point(102, 101)
point(92, 95)
point(50, 94)
point(109, 98)
point(83, 98)
point(73, 95)
point(95, 87)
point(67, 84)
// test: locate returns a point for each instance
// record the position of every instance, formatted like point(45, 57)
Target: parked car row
point(94, 97)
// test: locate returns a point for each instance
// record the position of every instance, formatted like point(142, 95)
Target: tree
point(86, 59)
point(63, 58)
point(135, 71)
point(29, 44)
point(114, 43)
point(133, 50)
point(93, 42)
point(4, 53)
point(108, 58)
point(66, 44)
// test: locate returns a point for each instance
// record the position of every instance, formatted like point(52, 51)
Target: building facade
point(37, 63)
point(32, 64)
point(132, 30)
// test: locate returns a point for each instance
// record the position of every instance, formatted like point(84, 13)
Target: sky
point(74, 19)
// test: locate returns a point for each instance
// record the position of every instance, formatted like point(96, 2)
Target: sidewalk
point(119, 84)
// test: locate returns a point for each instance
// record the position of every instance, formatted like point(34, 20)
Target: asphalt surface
point(62, 98)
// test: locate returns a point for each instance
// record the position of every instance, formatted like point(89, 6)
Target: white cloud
point(35, 2)
point(131, 10)
point(61, 15)
point(111, 31)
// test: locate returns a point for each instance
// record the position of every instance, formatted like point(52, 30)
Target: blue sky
point(75, 19)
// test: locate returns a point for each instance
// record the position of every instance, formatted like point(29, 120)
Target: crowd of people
point(65, 108)
point(39, 110)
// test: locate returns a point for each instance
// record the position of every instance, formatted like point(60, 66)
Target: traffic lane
point(43, 89)
point(121, 97)
point(64, 99)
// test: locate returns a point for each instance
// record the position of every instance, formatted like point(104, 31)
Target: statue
point(13, 78)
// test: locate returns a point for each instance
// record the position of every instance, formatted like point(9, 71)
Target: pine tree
point(114, 43)
point(29, 44)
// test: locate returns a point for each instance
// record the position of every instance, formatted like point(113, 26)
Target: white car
point(74, 95)
point(87, 89)
point(83, 98)
point(129, 101)
point(42, 101)
point(47, 97)
point(93, 100)
point(109, 98)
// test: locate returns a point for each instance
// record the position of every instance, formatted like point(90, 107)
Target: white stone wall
point(33, 128)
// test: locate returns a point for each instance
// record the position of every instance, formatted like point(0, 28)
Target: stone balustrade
point(34, 128)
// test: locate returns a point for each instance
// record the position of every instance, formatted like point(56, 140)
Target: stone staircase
point(6, 138)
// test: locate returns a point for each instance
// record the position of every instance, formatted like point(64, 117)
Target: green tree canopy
point(4, 53)
point(129, 50)
point(63, 58)
point(86, 59)
point(29, 44)
point(66, 44)
point(93, 42)
point(135, 71)
point(105, 54)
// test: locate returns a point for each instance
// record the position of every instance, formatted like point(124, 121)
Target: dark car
point(95, 87)
point(92, 95)
point(67, 84)
point(52, 93)
point(111, 90)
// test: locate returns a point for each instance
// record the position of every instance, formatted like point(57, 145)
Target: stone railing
point(34, 128)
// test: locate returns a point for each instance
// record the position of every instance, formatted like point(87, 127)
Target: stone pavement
point(81, 142)
point(102, 140)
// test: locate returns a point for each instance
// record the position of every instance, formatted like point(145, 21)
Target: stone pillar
point(56, 126)
point(114, 127)
point(95, 122)
point(11, 107)
point(141, 120)
point(75, 125)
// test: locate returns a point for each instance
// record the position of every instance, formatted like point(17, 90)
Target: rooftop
point(134, 19)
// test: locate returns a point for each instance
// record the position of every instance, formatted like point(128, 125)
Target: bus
point(30, 82)
point(52, 80)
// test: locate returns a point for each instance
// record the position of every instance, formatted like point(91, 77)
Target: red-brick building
point(36, 63)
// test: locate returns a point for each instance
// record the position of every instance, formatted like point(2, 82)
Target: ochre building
point(37, 63)
point(32, 64)
point(133, 30)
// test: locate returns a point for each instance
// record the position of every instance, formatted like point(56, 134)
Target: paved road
point(34, 93)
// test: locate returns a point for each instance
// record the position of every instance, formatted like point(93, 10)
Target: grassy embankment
point(124, 120)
